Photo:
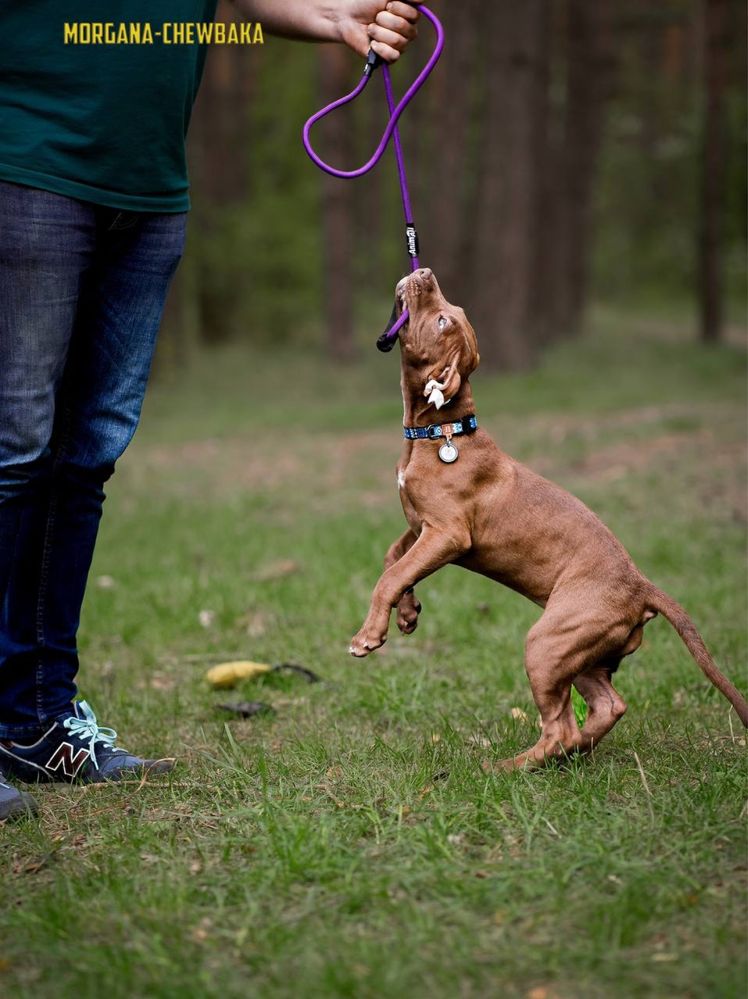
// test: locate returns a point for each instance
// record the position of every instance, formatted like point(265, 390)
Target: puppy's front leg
point(433, 549)
point(408, 607)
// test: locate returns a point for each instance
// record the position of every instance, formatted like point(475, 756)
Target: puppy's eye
point(442, 323)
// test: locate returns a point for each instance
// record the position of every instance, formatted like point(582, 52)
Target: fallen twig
point(644, 782)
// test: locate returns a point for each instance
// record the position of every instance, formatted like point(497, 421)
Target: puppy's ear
point(459, 364)
point(440, 392)
point(472, 359)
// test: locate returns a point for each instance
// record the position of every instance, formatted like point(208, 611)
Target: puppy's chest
point(410, 497)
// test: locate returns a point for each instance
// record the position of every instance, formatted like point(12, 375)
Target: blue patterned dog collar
point(435, 431)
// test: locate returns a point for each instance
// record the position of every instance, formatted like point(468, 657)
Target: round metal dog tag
point(448, 453)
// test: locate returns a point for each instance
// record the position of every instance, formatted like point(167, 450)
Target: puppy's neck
point(419, 412)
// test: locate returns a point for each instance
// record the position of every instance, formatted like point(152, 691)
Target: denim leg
point(46, 247)
point(98, 407)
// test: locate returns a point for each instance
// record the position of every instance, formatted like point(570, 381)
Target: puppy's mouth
point(408, 295)
point(412, 290)
point(400, 302)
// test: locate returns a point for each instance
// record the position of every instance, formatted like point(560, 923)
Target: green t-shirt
point(104, 123)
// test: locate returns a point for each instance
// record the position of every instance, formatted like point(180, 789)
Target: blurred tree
point(200, 309)
point(501, 264)
point(220, 165)
point(589, 78)
point(713, 154)
point(451, 115)
point(338, 211)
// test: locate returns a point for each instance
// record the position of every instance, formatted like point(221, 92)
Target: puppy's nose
point(423, 279)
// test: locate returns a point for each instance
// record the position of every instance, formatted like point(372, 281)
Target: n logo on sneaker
point(66, 757)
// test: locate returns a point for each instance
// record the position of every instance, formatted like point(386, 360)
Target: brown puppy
point(488, 513)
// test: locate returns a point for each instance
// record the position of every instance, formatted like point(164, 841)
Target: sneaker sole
point(151, 768)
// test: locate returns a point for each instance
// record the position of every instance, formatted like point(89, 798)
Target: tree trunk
point(219, 147)
point(712, 172)
point(543, 219)
point(503, 252)
point(451, 96)
point(589, 78)
point(337, 212)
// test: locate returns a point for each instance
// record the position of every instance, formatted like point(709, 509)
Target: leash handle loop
point(372, 62)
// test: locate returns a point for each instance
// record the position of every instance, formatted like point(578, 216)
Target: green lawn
point(351, 844)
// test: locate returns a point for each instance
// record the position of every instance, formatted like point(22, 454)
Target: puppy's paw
point(407, 614)
point(365, 642)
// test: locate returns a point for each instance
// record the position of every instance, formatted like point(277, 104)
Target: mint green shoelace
point(88, 728)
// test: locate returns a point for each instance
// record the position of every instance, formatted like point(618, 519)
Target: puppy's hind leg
point(550, 680)
point(570, 637)
point(605, 706)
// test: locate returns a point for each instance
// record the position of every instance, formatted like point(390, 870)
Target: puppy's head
point(438, 344)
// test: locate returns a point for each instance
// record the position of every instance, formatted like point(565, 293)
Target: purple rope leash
point(392, 132)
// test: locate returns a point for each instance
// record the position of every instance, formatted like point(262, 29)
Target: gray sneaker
point(15, 804)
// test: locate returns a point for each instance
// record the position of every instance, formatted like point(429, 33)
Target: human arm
point(386, 27)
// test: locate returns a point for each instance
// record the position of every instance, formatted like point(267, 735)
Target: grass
point(351, 844)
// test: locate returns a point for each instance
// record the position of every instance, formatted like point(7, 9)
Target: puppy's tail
point(693, 641)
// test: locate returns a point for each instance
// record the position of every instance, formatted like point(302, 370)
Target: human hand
point(385, 27)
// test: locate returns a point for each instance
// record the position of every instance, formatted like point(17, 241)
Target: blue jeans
point(82, 291)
